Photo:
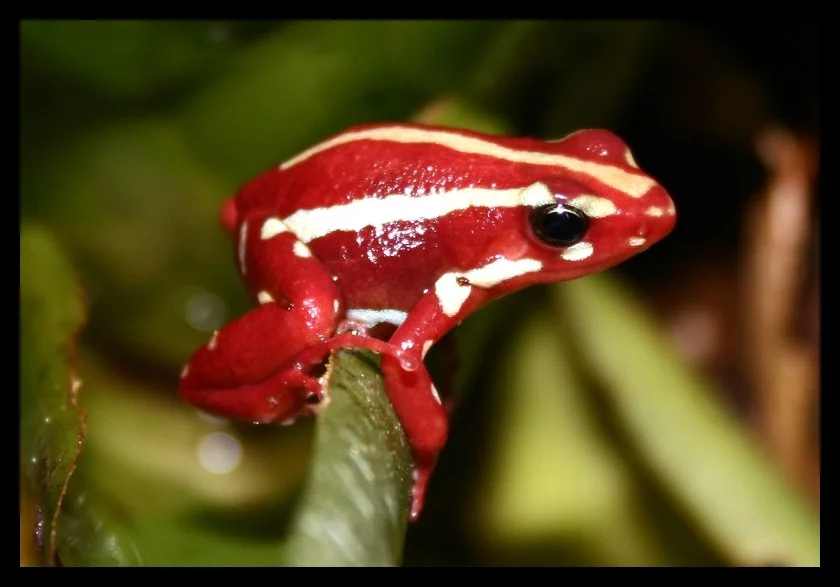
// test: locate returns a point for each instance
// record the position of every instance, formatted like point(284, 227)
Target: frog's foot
point(309, 358)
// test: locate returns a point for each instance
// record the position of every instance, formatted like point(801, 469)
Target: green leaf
point(150, 499)
point(699, 452)
point(354, 509)
point(559, 489)
point(196, 491)
point(52, 425)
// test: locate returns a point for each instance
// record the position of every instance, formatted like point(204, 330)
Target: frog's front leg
point(250, 368)
point(409, 386)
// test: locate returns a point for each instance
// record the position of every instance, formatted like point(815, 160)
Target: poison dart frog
point(414, 228)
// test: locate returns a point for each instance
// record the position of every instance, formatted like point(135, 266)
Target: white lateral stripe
point(501, 270)
point(373, 317)
point(452, 295)
point(633, 184)
point(358, 214)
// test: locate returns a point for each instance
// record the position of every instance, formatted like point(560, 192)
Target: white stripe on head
point(633, 184)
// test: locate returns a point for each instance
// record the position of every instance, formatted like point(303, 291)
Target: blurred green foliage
point(134, 132)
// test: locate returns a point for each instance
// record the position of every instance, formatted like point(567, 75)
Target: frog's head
point(596, 210)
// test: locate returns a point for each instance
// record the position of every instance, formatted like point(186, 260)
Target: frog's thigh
point(279, 268)
point(242, 370)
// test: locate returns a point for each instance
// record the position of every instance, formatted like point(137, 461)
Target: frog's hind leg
point(248, 368)
point(245, 370)
point(263, 366)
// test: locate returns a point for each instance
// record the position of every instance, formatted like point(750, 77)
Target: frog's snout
point(660, 215)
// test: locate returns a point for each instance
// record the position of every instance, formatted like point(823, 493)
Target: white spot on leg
point(426, 346)
point(272, 227)
point(211, 344)
point(301, 250)
point(435, 394)
point(185, 371)
point(636, 241)
point(264, 297)
point(336, 306)
point(243, 241)
point(578, 252)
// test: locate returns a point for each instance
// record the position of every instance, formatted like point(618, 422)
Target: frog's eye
point(559, 225)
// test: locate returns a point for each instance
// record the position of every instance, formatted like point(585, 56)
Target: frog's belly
point(382, 269)
point(390, 266)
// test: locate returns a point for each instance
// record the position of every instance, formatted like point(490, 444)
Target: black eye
point(558, 225)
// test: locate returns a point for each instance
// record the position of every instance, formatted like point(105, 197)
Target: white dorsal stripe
point(308, 225)
point(633, 184)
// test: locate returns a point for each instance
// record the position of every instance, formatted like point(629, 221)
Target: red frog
point(415, 227)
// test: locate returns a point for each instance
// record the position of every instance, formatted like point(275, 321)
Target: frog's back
point(381, 205)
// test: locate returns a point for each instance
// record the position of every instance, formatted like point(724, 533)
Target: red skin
point(258, 368)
